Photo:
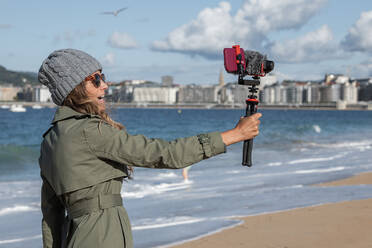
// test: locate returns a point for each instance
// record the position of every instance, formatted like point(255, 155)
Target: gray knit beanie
point(64, 69)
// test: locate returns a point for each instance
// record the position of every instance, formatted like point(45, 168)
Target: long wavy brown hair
point(79, 101)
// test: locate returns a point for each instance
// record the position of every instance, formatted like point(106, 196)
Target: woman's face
point(95, 87)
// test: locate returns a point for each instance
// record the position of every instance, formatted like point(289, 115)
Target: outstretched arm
point(137, 150)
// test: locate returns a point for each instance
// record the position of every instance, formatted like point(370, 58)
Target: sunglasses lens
point(97, 80)
point(103, 77)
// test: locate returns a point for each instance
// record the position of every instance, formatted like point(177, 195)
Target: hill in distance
point(17, 79)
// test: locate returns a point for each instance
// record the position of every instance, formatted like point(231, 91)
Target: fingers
point(256, 116)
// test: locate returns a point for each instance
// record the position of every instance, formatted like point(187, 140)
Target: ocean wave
point(361, 145)
point(19, 189)
point(234, 172)
point(317, 128)
point(165, 222)
point(15, 159)
point(166, 175)
point(142, 190)
point(17, 209)
point(311, 160)
point(9, 241)
point(275, 164)
point(280, 174)
point(340, 168)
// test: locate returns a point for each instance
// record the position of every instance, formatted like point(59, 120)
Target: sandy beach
point(345, 224)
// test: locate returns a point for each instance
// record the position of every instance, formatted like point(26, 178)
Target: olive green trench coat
point(83, 162)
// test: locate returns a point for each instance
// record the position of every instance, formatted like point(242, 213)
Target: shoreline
point(341, 224)
point(361, 106)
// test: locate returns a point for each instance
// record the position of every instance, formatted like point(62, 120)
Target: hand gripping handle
point(248, 144)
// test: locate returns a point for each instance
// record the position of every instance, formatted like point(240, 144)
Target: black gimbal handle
point(248, 144)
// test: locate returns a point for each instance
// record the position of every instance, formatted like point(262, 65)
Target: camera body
point(243, 63)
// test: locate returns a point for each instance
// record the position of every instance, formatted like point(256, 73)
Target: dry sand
point(339, 225)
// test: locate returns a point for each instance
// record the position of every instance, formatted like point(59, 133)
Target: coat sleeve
point(53, 217)
point(137, 150)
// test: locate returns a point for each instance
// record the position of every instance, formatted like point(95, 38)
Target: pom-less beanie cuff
point(64, 69)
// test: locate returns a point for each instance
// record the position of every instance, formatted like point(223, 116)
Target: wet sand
point(341, 225)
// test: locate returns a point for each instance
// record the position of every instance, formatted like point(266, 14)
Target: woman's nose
point(103, 85)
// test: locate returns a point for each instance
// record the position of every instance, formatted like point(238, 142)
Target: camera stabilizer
point(247, 63)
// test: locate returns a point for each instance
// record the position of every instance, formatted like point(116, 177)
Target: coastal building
point(365, 92)
point(122, 93)
point(314, 93)
point(221, 94)
point(284, 93)
point(199, 94)
point(294, 94)
point(9, 93)
point(336, 78)
point(273, 94)
point(155, 94)
point(338, 87)
point(330, 93)
point(41, 94)
point(334, 92)
point(236, 94)
point(333, 89)
point(349, 92)
point(26, 94)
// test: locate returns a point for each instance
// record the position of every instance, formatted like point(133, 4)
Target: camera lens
point(268, 66)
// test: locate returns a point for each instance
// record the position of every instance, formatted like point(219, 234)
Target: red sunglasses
point(96, 79)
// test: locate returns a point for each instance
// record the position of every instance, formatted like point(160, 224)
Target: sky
point(185, 39)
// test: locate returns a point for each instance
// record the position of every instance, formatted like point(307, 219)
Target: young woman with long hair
point(85, 156)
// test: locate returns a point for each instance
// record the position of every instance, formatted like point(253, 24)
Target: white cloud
point(109, 59)
point(359, 37)
point(122, 41)
point(210, 32)
point(313, 46)
point(268, 15)
point(215, 28)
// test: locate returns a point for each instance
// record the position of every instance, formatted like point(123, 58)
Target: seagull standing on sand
point(115, 13)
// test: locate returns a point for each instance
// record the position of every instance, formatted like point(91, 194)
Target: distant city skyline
point(185, 39)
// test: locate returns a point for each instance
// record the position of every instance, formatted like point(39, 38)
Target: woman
point(85, 156)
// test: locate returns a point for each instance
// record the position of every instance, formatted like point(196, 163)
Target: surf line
point(19, 240)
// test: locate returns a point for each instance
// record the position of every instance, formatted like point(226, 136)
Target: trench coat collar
point(65, 112)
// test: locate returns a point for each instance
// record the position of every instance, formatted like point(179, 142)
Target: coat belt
point(87, 206)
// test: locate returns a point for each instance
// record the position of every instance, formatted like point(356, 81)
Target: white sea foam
point(297, 186)
point(340, 168)
point(17, 209)
point(275, 164)
point(166, 222)
point(166, 175)
point(317, 128)
point(9, 241)
point(142, 190)
point(361, 145)
point(311, 160)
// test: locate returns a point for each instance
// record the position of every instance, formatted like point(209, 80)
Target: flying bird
point(115, 13)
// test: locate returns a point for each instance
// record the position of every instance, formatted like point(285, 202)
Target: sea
point(294, 150)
